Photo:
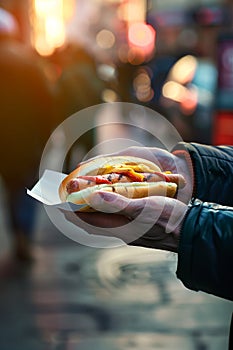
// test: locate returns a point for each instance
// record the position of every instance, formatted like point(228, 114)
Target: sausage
point(128, 190)
point(82, 182)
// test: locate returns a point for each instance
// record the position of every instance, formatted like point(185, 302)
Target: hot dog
point(129, 176)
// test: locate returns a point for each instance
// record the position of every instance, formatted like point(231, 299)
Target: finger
point(151, 214)
point(165, 211)
point(108, 202)
point(146, 209)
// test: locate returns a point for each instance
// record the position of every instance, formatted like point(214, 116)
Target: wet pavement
point(77, 297)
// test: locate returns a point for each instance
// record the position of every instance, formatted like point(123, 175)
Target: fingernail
point(108, 197)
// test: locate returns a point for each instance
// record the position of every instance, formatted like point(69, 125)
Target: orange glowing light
point(189, 102)
point(141, 35)
point(136, 56)
point(187, 97)
point(49, 18)
point(133, 11)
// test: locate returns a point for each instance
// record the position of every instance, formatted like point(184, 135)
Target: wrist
point(184, 166)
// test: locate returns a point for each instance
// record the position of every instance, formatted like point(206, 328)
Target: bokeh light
point(141, 34)
point(105, 39)
point(49, 18)
point(109, 95)
point(184, 69)
point(142, 86)
point(174, 91)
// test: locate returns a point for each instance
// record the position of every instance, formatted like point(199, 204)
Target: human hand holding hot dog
point(178, 162)
point(136, 172)
point(153, 220)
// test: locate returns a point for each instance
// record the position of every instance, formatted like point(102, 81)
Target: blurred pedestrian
point(79, 87)
point(26, 117)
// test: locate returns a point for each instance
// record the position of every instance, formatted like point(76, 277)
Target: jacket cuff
point(181, 151)
point(185, 263)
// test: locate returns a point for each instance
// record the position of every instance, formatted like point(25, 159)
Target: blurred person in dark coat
point(26, 114)
point(79, 87)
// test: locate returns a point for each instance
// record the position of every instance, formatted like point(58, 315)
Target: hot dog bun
point(133, 167)
point(97, 166)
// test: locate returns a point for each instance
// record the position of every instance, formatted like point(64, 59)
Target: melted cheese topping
point(132, 170)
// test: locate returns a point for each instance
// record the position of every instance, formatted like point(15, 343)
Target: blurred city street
point(77, 297)
point(64, 58)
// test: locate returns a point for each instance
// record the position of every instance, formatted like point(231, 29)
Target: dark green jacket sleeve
point(205, 257)
point(213, 172)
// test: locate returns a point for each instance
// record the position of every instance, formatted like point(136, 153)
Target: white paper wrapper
point(46, 191)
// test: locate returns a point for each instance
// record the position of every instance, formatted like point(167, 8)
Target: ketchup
point(96, 179)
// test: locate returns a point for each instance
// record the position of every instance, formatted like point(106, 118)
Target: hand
point(152, 222)
point(179, 162)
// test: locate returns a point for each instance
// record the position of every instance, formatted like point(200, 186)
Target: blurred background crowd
point(58, 57)
point(175, 58)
